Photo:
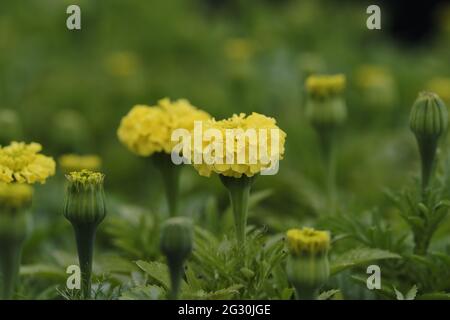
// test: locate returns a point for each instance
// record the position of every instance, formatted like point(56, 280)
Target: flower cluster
point(148, 129)
point(74, 162)
point(307, 240)
point(323, 86)
point(241, 146)
point(22, 163)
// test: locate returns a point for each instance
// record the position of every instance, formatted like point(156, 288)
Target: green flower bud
point(176, 238)
point(325, 107)
point(428, 122)
point(15, 200)
point(307, 266)
point(429, 117)
point(176, 244)
point(85, 203)
point(85, 209)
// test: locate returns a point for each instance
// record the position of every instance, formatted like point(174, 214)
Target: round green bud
point(429, 116)
point(85, 199)
point(177, 239)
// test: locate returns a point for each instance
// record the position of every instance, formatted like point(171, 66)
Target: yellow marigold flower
point(74, 162)
point(307, 241)
point(15, 195)
point(441, 86)
point(322, 86)
point(242, 143)
point(146, 130)
point(21, 162)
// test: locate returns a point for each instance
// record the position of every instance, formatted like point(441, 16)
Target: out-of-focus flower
point(239, 49)
point(122, 63)
point(310, 63)
point(307, 241)
point(440, 85)
point(75, 162)
point(324, 86)
point(21, 162)
point(146, 130)
point(377, 85)
point(14, 196)
point(15, 200)
point(242, 146)
point(307, 266)
point(11, 126)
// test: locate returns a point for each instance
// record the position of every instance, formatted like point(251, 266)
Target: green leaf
point(411, 294)
point(326, 295)
point(434, 296)
point(360, 256)
point(157, 271)
point(143, 293)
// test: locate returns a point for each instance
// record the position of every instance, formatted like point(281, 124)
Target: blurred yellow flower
point(307, 240)
point(322, 86)
point(122, 63)
point(15, 195)
point(376, 84)
point(75, 162)
point(441, 86)
point(21, 162)
point(239, 49)
point(148, 129)
point(241, 146)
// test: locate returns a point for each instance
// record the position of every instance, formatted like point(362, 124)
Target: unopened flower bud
point(307, 266)
point(428, 121)
point(85, 203)
point(176, 244)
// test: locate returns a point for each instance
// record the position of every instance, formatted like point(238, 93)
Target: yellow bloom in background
point(377, 85)
point(441, 86)
point(75, 162)
point(307, 241)
point(122, 63)
point(21, 162)
point(323, 86)
point(239, 49)
point(239, 125)
point(15, 195)
point(148, 129)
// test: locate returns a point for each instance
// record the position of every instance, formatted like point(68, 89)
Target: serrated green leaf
point(326, 295)
point(143, 293)
point(360, 256)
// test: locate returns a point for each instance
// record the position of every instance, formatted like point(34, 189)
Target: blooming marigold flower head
point(74, 162)
point(234, 134)
point(323, 86)
point(307, 241)
point(15, 195)
point(148, 129)
point(22, 163)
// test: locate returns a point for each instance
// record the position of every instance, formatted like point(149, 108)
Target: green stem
point(85, 237)
point(239, 191)
point(176, 273)
point(305, 294)
point(10, 256)
point(171, 176)
point(329, 156)
point(427, 149)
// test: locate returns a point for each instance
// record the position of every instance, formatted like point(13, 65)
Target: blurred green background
point(69, 89)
